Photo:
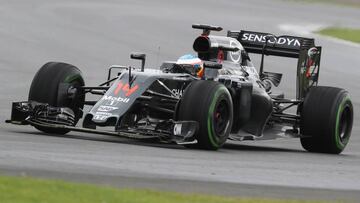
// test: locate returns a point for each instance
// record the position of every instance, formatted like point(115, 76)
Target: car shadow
point(106, 138)
point(243, 147)
point(155, 143)
point(152, 143)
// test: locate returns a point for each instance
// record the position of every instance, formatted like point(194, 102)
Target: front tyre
point(210, 104)
point(326, 120)
point(45, 88)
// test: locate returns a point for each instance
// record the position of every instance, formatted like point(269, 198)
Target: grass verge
point(348, 3)
point(342, 33)
point(28, 190)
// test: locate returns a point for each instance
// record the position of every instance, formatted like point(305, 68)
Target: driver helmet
point(196, 63)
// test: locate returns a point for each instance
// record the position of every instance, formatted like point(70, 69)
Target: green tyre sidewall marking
point(211, 131)
point(339, 144)
point(72, 78)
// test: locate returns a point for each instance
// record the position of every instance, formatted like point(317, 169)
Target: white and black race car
point(199, 103)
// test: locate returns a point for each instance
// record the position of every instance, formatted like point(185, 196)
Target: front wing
point(45, 116)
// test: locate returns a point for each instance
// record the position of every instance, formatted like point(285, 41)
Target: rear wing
point(303, 49)
point(286, 45)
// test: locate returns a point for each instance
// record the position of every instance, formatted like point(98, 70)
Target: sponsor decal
point(312, 52)
point(126, 89)
point(106, 108)
point(177, 92)
point(177, 129)
point(103, 113)
point(220, 56)
point(310, 64)
point(113, 101)
point(288, 41)
point(180, 78)
point(100, 117)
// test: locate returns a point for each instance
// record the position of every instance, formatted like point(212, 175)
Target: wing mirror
point(212, 65)
point(139, 56)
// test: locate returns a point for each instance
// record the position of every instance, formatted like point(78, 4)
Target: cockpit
point(224, 50)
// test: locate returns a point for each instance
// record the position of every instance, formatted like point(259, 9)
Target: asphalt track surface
point(96, 34)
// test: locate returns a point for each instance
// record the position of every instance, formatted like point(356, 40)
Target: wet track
point(94, 35)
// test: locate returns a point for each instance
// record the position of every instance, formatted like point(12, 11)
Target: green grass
point(342, 33)
point(348, 3)
point(24, 190)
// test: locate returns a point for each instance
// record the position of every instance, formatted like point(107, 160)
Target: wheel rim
point(345, 124)
point(221, 118)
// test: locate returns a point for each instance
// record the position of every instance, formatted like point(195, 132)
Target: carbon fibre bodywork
point(121, 96)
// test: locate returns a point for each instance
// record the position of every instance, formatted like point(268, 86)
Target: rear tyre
point(326, 120)
point(210, 104)
point(45, 89)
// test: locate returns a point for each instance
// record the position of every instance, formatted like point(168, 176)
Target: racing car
point(197, 101)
